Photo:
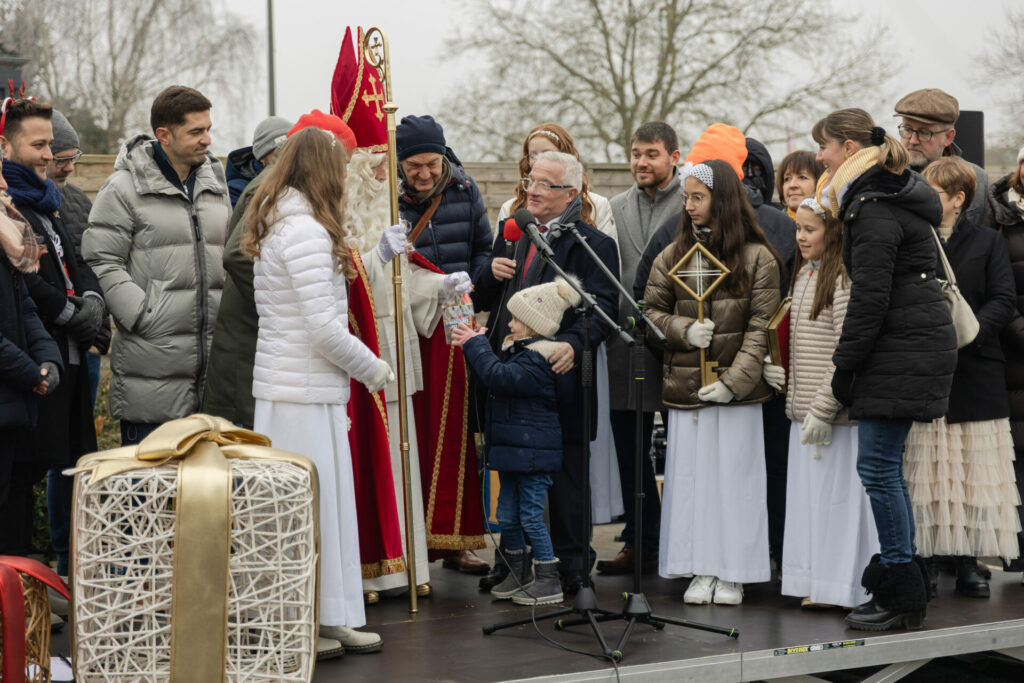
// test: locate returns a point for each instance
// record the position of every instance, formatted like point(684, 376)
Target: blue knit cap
point(419, 134)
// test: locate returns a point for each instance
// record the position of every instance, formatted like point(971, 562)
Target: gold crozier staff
point(375, 51)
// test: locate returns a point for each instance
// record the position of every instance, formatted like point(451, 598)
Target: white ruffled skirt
point(962, 488)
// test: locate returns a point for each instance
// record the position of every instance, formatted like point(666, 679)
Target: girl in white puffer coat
point(829, 534)
point(305, 356)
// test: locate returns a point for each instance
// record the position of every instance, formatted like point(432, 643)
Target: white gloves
point(699, 333)
point(815, 431)
point(380, 378)
point(455, 285)
point(392, 243)
point(715, 392)
point(774, 375)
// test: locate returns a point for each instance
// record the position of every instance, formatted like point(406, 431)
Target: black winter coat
point(898, 338)
point(522, 433)
point(1011, 223)
point(982, 268)
point(66, 429)
point(459, 234)
point(491, 295)
point(74, 212)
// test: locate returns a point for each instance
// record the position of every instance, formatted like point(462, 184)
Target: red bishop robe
point(448, 464)
point(380, 536)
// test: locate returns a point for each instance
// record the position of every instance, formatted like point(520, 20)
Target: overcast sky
point(935, 37)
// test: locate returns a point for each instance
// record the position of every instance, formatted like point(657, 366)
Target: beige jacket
point(811, 344)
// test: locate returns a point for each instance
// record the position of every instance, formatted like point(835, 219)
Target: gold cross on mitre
point(376, 97)
point(699, 264)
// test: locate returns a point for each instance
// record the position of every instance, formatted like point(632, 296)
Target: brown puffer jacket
point(740, 341)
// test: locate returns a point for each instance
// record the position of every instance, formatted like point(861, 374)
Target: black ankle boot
point(932, 572)
point(899, 596)
point(969, 580)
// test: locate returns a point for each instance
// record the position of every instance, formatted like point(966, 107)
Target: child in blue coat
point(522, 436)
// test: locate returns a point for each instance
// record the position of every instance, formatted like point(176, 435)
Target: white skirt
point(830, 531)
point(419, 527)
point(320, 432)
point(605, 486)
point(961, 483)
point(714, 515)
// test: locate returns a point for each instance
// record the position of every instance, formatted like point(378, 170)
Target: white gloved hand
point(455, 285)
point(699, 333)
point(815, 431)
point(774, 375)
point(715, 393)
point(381, 377)
point(392, 243)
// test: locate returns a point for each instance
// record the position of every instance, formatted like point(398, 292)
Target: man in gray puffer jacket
point(155, 241)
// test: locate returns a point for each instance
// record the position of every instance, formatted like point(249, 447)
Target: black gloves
point(52, 377)
point(86, 321)
point(842, 386)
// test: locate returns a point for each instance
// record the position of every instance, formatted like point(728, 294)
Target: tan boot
point(355, 642)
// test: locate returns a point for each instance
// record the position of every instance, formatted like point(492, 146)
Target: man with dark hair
point(639, 212)
point(69, 303)
point(155, 239)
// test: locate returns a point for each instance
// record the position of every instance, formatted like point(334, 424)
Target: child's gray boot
point(520, 575)
point(546, 589)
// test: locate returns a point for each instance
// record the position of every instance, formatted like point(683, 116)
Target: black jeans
point(624, 431)
point(776, 459)
point(568, 504)
point(17, 505)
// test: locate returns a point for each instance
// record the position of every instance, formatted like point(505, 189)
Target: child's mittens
point(815, 431)
point(715, 393)
point(698, 334)
point(774, 375)
point(381, 376)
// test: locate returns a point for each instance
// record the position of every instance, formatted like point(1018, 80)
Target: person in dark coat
point(458, 235)
point(69, 301)
point(246, 163)
point(558, 207)
point(522, 436)
point(30, 368)
point(960, 467)
point(897, 352)
point(1006, 196)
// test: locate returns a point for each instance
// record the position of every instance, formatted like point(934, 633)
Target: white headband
point(701, 172)
point(548, 133)
point(812, 204)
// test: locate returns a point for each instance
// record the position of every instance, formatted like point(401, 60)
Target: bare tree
point(102, 61)
point(603, 67)
point(1002, 67)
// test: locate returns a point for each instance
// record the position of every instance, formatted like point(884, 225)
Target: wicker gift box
point(195, 558)
point(25, 618)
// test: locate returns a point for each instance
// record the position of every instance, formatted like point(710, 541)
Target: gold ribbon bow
point(203, 446)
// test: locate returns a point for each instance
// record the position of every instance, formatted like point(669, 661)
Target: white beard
point(367, 202)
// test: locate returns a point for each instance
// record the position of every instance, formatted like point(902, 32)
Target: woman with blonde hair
point(305, 355)
point(895, 358)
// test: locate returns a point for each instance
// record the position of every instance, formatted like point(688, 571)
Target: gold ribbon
point(203, 445)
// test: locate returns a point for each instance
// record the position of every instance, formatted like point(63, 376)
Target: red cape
point(380, 536)
point(448, 465)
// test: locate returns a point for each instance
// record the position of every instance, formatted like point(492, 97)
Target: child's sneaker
point(546, 588)
point(728, 593)
point(701, 590)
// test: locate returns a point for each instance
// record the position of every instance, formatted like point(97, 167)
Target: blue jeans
point(521, 513)
point(133, 433)
point(880, 444)
point(92, 361)
point(59, 492)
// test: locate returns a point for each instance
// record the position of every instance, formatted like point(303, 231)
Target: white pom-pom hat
point(541, 307)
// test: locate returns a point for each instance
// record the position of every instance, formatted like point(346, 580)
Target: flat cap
point(930, 105)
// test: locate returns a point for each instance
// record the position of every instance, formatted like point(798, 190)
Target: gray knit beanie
point(269, 135)
point(64, 136)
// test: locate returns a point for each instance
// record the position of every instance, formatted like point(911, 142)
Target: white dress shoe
point(355, 642)
point(701, 590)
point(728, 593)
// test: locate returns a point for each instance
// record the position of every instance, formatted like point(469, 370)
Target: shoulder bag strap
point(950, 277)
point(424, 220)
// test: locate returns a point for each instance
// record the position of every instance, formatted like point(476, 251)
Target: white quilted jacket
point(304, 352)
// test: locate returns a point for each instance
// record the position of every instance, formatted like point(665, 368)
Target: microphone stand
point(585, 607)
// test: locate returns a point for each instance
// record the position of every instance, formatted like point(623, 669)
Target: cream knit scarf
point(851, 169)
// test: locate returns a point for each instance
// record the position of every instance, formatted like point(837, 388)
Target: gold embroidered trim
point(374, 570)
point(454, 542)
point(359, 84)
point(440, 443)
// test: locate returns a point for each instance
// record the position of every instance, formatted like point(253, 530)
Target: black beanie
point(419, 134)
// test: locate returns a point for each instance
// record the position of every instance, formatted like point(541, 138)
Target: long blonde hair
point(312, 162)
point(857, 125)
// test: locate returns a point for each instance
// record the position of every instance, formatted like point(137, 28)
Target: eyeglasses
point(64, 162)
point(695, 199)
point(906, 132)
point(543, 185)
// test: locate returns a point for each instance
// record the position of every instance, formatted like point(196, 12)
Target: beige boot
point(355, 642)
point(328, 648)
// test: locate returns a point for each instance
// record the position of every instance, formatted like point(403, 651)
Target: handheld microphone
point(511, 233)
point(526, 222)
